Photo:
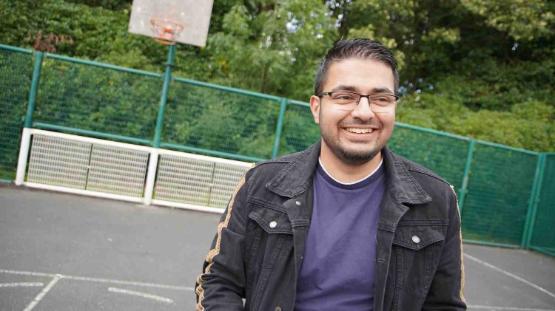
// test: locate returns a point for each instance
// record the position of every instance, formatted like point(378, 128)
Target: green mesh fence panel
point(98, 99)
point(444, 155)
point(499, 189)
point(220, 120)
point(299, 129)
point(543, 237)
point(16, 69)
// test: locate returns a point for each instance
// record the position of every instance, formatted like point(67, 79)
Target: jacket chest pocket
point(269, 231)
point(415, 255)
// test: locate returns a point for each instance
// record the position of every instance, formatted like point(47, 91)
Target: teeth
point(359, 130)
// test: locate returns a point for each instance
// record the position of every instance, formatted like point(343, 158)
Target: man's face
point(354, 136)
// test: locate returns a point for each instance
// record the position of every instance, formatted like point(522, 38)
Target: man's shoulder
point(269, 168)
point(284, 159)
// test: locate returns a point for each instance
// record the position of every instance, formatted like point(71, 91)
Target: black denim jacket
point(256, 255)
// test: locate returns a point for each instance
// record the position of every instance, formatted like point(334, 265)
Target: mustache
point(354, 123)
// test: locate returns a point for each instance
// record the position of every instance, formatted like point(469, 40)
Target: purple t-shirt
point(337, 272)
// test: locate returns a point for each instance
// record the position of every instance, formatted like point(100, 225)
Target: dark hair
point(358, 48)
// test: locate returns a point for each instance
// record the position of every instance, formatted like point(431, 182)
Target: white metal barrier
point(102, 168)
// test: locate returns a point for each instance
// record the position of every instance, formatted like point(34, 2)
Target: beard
point(351, 157)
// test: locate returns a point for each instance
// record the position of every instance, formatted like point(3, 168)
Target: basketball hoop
point(165, 30)
point(172, 21)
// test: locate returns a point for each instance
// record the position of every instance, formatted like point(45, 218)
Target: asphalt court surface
point(68, 252)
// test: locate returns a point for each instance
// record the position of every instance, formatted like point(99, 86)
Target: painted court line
point(22, 284)
point(139, 294)
point(98, 280)
point(43, 292)
point(516, 277)
point(119, 282)
point(48, 275)
point(495, 308)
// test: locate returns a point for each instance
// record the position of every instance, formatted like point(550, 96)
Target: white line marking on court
point(43, 292)
point(516, 277)
point(98, 280)
point(48, 275)
point(507, 308)
point(144, 295)
point(22, 284)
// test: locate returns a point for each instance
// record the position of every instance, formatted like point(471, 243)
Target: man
point(345, 224)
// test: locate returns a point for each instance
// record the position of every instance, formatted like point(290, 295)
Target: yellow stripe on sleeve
point(216, 250)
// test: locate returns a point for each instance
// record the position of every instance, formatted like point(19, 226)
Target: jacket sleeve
point(221, 285)
point(446, 290)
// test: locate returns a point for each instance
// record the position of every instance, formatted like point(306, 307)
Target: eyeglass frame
point(360, 96)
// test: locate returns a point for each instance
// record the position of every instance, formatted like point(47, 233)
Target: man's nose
point(363, 109)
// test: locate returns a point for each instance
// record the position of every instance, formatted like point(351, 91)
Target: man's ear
point(315, 108)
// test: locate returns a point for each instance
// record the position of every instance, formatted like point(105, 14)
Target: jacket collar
point(399, 181)
point(296, 177)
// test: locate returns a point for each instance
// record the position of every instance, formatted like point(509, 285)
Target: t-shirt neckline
point(374, 175)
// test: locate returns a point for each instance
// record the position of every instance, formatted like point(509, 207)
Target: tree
point(271, 46)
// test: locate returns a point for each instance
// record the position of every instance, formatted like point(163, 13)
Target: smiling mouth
point(359, 130)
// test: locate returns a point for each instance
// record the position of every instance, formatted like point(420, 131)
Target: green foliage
point(271, 46)
point(530, 124)
point(521, 19)
point(107, 4)
point(96, 32)
point(472, 67)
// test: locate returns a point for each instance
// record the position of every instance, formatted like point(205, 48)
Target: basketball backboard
point(169, 21)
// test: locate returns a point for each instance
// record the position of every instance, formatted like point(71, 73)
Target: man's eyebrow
point(349, 88)
point(344, 88)
point(382, 90)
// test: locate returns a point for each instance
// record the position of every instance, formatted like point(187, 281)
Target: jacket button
point(415, 239)
point(273, 224)
point(298, 203)
point(278, 308)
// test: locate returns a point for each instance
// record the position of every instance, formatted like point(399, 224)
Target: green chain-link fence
point(76, 94)
point(16, 66)
point(506, 195)
point(297, 130)
point(543, 235)
point(204, 116)
point(499, 190)
point(444, 154)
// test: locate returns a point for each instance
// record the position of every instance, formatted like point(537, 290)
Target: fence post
point(34, 89)
point(279, 127)
point(464, 187)
point(533, 202)
point(154, 155)
point(164, 97)
point(28, 123)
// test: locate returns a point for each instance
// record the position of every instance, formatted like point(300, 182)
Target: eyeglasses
point(380, 102)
